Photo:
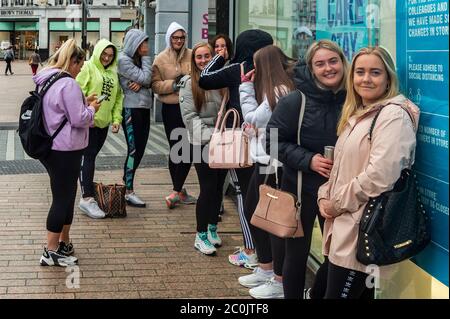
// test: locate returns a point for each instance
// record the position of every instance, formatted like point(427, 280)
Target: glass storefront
point(416, 33)
point(118, 31)
point(24, 35)
point(60, 31)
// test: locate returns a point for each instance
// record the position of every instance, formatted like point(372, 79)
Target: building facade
point(45, 24)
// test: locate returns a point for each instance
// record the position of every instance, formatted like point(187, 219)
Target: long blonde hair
point(64, 56)
point(331, 46)
point(353, 104)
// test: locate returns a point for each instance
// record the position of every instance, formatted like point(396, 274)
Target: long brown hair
point(353, 104)
point(274, 71)
point(228, 43)
point(198, 93)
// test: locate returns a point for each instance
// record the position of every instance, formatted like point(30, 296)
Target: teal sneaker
point(213, 237)
point(203, 244)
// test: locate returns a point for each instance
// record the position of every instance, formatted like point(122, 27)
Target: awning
point(73, 26)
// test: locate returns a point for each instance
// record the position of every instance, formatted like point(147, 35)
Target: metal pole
point(84, 25)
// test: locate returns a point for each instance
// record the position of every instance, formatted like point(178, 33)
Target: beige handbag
point(278, 212)
point(229, 148)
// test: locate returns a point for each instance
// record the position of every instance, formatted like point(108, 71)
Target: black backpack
point(36, 142)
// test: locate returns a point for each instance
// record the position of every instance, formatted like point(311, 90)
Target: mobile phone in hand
point(101, 98)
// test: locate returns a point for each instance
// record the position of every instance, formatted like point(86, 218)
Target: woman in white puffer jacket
point(259, 93)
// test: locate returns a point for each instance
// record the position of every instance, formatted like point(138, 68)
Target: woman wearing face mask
point(99, 76)
point(200, 109)
point(168, 68)
point(322, 80)
point(64, 100)
point(362, 168)
point(135, 78)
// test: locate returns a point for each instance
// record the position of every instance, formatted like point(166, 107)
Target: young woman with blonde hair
point(64, 100)
point(364, 168)
point(199, 109)
point(321, 78)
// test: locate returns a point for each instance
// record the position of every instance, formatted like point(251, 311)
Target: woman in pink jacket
point(362, 168)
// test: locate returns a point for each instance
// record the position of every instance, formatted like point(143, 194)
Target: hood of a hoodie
point(305, 82)
point(44, 75)
point(98, 49)
point(173, 27)
point(247, 43)
point(133, 39)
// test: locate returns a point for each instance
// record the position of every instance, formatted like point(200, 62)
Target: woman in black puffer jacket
point(321, 78)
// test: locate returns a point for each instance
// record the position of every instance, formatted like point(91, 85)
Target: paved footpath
point(148, 254)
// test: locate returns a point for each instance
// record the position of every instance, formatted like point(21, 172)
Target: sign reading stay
point(9, 13)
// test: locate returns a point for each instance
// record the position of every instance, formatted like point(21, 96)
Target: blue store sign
point(422, 62)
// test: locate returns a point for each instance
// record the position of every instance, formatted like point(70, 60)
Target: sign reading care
point(349, 23)
point(14, 13)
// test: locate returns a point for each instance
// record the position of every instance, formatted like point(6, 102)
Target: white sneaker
point(272, 289)
point(134, 200)
point(203, 244)
point(257, 278)
point(90, 208)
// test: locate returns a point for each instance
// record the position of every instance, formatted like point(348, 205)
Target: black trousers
point(172, 120)
point(241, 179)
point(63, 168)
point(136, 127)
point(8, 67)
point(269, 248)
point(97, 138)
point(210, 197)
point(297, 250)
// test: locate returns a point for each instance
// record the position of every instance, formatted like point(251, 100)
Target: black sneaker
point(55, 258)
point(66, 249)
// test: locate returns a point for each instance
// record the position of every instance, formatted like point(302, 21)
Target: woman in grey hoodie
point(135, 79)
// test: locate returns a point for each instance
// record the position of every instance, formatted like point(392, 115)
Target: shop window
point(59, 2)
point(5, 3)
point(19, 2)
point(124, 3)
point(73, 2)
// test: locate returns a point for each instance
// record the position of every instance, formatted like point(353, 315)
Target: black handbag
point(394, 226)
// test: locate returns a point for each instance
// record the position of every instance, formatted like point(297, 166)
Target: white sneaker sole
point(251, 285)
point(279, 296)
point(49, 262)
point(208, 253)
point(86, 212)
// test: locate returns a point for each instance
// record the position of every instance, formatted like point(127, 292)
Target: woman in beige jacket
point(363, 169)
point(168, 68)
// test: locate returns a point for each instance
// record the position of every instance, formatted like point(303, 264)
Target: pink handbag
point(229, 148)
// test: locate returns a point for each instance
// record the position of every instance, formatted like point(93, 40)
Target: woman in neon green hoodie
point(99, 76)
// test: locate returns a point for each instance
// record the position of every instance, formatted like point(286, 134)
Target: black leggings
point(8, 67)
point(343, 283)
point(97, 137)
point(269, 248)
point(297, 250)
point(63, 169)
point(172, 119)
point(136, 127)
point(210, 198)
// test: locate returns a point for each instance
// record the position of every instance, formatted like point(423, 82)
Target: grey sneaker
point(134, 200)
point(90, 208)
point(185, 198)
